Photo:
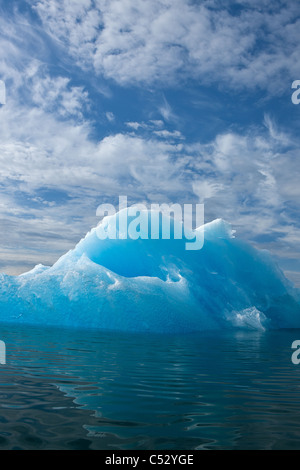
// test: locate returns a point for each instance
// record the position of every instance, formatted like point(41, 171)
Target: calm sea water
point(65, 389)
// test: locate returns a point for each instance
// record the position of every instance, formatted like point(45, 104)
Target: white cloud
point(134, 125)
point(206, 189)
point(157, 122)
point(166, 110)
point(169, 134)
point(110, 116)
point(55, 95)
point(134, 41)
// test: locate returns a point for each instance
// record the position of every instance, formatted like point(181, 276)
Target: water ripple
point(64, 389)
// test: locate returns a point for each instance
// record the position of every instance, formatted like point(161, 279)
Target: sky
point(164, 101)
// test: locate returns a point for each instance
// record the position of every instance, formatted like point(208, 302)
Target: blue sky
point(160, 100)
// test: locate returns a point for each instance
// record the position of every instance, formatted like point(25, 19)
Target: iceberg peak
point(217, 228)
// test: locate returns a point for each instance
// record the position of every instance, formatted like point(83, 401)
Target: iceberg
point(154, 284)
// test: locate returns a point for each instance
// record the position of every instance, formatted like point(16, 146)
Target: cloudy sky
point(160, 100)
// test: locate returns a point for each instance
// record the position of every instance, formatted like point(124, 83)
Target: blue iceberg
point(154, 285)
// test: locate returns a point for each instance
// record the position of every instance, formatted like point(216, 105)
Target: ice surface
point(154, 285)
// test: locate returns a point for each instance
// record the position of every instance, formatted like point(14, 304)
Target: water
point(68, 389)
